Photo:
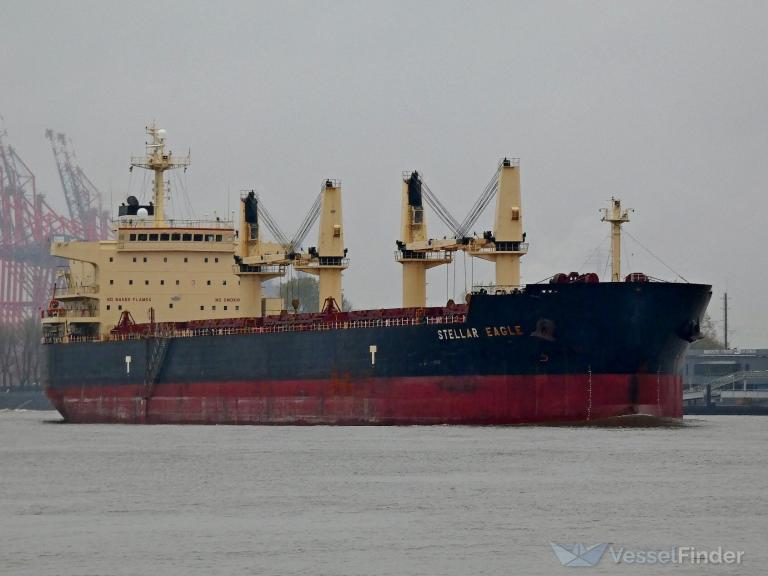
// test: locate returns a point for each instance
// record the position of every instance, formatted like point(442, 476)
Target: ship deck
point(284, 322)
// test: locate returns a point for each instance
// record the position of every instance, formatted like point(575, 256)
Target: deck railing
point(74, 312)
point(275, 328)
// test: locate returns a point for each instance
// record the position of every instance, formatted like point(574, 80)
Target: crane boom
point(271, 223)
point(439, 208)
point(480, 205)
point(306, 225)
point(82, 197)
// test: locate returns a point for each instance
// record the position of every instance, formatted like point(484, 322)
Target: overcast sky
point(663, 104)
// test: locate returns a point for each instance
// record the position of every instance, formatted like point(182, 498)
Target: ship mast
point(157, 160)
point(616, 216)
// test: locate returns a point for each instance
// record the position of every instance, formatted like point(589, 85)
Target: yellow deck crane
point(256, 261)
point(415, 250)
point(506, 244)
point(328, 259)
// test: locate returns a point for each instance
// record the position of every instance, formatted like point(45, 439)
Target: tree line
point(21, 354)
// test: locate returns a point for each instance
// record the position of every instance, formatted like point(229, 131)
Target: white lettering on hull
point(469, 333)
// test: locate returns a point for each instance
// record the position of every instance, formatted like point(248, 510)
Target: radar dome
point(161, 133)
point(142, 213)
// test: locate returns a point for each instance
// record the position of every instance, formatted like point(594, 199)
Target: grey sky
point(664, 104)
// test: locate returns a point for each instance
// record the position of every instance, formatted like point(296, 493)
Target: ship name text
point(490, 332)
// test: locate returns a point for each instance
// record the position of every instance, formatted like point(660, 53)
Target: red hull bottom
point(479, 400)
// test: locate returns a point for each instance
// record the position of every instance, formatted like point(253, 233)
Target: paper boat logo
point(578, 554)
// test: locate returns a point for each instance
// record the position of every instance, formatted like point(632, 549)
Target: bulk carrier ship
point(208, 348)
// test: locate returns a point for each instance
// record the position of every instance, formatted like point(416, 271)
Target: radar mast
point(616, 216)
point(158, 160)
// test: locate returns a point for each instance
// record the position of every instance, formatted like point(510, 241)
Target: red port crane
point(28, 223)
point(83, 199)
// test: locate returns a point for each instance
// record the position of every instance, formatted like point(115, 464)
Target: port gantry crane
point(27, 224)
point(504, 245)
point(84, 201)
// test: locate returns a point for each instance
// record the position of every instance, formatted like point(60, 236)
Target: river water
point(192, 500)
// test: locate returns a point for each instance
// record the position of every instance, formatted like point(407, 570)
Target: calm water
point(93, 499)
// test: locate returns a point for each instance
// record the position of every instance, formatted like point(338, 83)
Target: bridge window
point(198, 237)
point(215, 259)
point(142, 237)
point(111, 281)
point(132, 237)
point(165, 237)
point(219, 237)
point(209, 237)
point(187, 238)
point(176, 237)
point(134, 258)
point(205, 260)
point(162, 282)
point(170, 305)
point(130, 282)
point(145, 259)
point(202, 307)
point(153, 237)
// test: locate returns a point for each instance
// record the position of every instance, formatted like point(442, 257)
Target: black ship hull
point(551, 353)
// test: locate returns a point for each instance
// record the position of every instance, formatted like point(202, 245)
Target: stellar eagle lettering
point(490, 332)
